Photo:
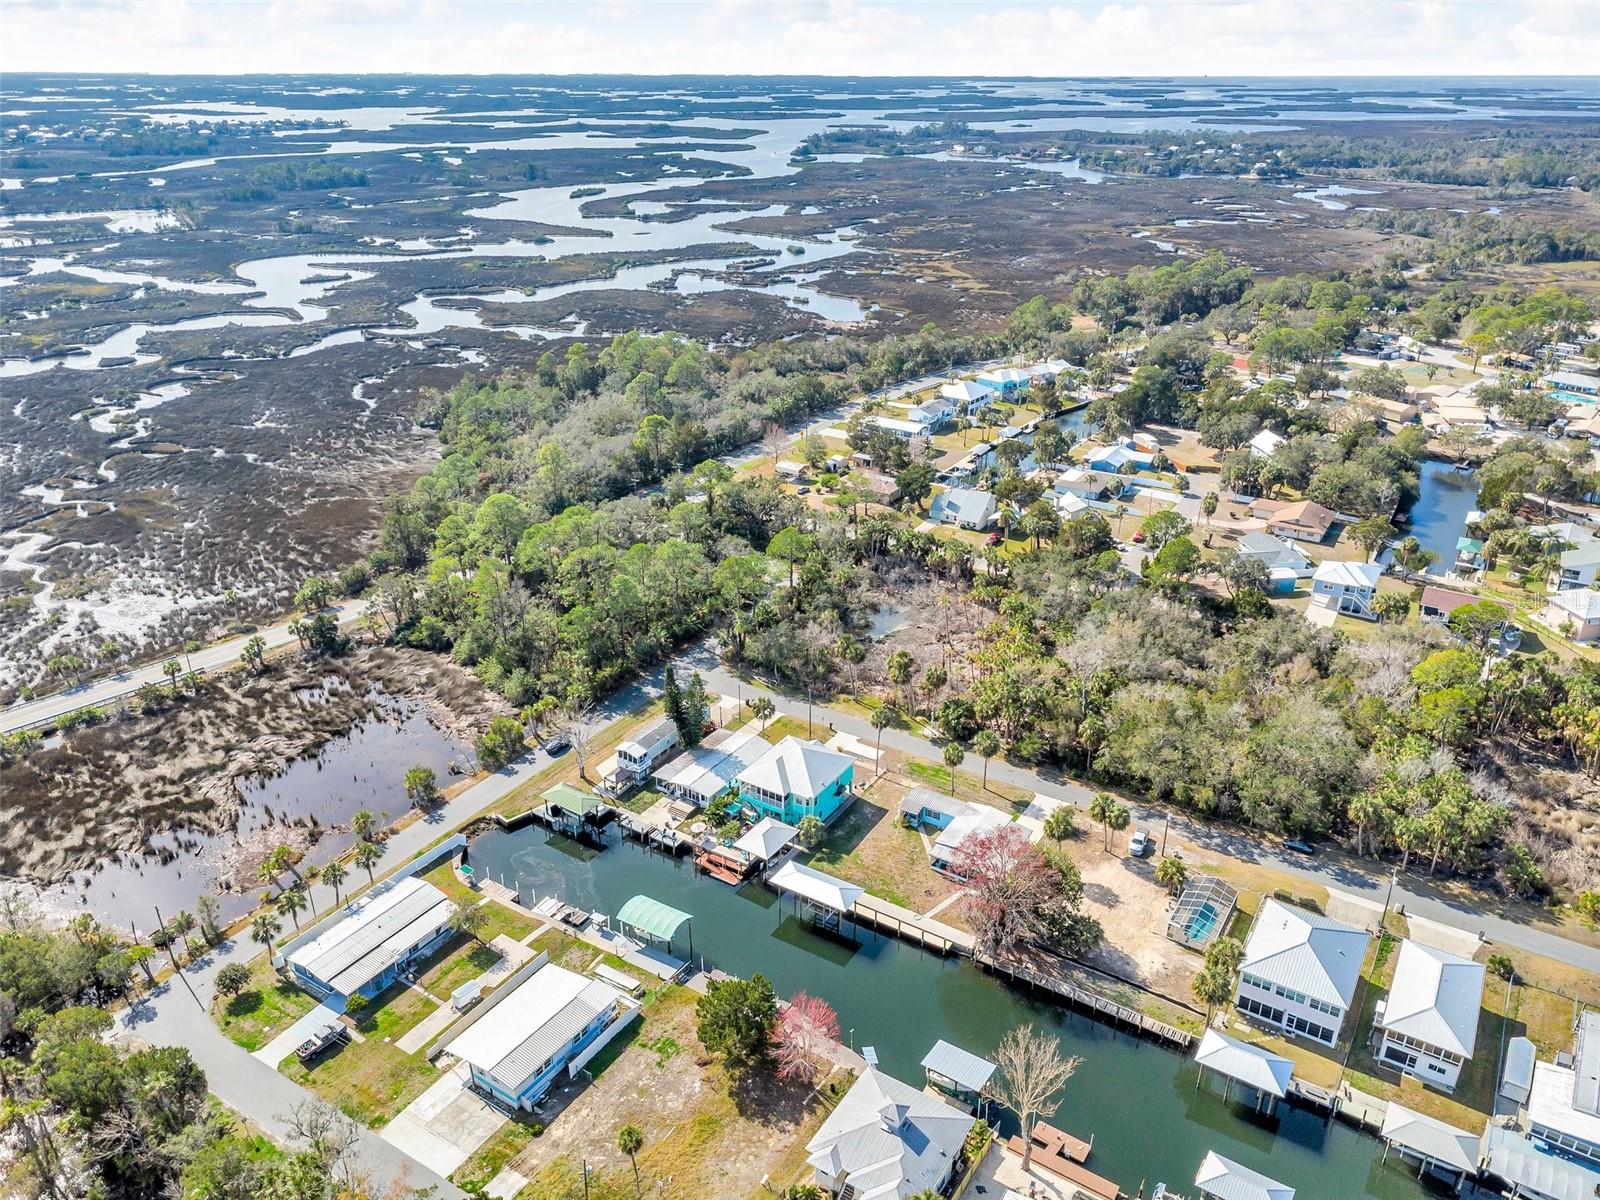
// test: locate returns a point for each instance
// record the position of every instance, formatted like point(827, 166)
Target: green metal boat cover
point(655, 918)
point(573, 800)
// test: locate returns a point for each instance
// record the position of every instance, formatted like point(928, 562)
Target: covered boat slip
point(822, 899)
point(1227, 1180)
point(957, 1074)
point(1438, 1149)
point(657, 922)
point(1264, 1074)
point(573, 811)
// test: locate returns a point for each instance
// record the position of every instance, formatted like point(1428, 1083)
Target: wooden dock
point(1063, 1156)
point(668, 840)
point(911, 926)
point(1120, 1014)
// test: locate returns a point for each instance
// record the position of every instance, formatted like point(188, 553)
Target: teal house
point(797, 779)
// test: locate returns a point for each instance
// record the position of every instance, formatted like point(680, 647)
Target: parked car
point(994, 539)
point(1138, 536)
point(558, 743)
point(1141, 843)
point(1298, 846)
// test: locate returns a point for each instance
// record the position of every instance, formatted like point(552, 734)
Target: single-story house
point(1265, 444)
point(1438, 603)
point(887, 1140)
point(1088, 485)
point(884, 488)
point(373, 940)
point(706, 773)
point(928, 806)
point(1300, 971)
point(1121, 453)
point(1050, 368)
point(1275, 553)
point(968, 508)
point(1577, 611)
point(797, 779)
point(518, 1047)
point(1005, 379)
point(787, 469)
point(1304, 521)
point(1573, 381)
point(972, 819)
point(1346, 587)
point(896, 426)
point(1564, 1105)
point(1429, 1020)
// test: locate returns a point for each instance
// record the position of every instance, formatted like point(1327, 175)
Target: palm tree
point(953, 754)
point(367, 856)
point(264, 930)
point(363, 824)
point(1101, 806)
point(1171, 873)
point(292, 900)
point(987, 744)
point(333, 875)
point(630, 1140)
point(882, 717)
point(1119, 819)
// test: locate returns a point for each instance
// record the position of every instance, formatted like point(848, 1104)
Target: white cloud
point(837, 37)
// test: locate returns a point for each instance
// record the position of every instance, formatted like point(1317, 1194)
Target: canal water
point(1135, 1098)
point(1439, 517)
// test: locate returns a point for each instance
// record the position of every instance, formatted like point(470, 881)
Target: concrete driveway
point(442, 1127)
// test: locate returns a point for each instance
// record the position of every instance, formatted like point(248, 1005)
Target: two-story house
point(1347, 588)
point(1300, 971)
point(797, 779)
point(1429, 1020)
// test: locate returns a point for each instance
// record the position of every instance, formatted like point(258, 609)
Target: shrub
point(1501, 966)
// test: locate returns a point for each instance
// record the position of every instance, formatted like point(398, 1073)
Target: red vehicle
point(1139, 536)
point(994, 539)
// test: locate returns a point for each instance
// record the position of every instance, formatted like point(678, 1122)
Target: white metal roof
point(1266, 442)
point(1586, 1064)
point(1260, 1069)
point(927, 799)
point(889, 1139)
point(708, 770)
point(1583, 603)
point(1227, 1180)
point(765, 838)
point(815, 886)
point(514, 1039)
point(796, 768)
point(1004, 375)
point(375, 931)
point(1521, 1054)
point(961, 1067)
point(1435, 998)
point(1348, 574)
point(1305, 952)
point(648, 740)
point(973, 819)
point(1455, 1148)
point(1584, 554)
point(963, 390)
point(1550, 1103)
point(1518, 1160)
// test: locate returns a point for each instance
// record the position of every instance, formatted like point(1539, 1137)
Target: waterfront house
point(569, 809)
point(934, 414)
point(887, 1140)
point(926, 806)
point(1575, 613)
point(639, 755)
point(1224, 1179)
point(1578, 566)
point(967, 396)
point(373, 940)
point(1469, 558)
point(706, 773)
point(1265, 444)
point(1088, 485)
point(1300, 971)
point(1530, 1170)
point(1564, 1103)
point(1005, 380)
point(1275, 553)
point(797, 779)
point(549, 1024)
point(1438, 603)
point(1304, 521)
point(1429, 1021)
point(895, 425)
point(1346, 587)
point(967, 508)
point(954, 821)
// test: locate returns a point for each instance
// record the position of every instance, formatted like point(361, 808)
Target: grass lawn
point(565, 768)
point(371, 1080)
point(463, 962)
point(500, 919)
point(870, 846)
point(263, 1010)
point(509, 1141)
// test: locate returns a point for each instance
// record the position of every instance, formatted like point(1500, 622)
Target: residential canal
point(1439, 517)
point(1136, 1099)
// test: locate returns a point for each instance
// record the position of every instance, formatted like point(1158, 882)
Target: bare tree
point(1032, 1074)
point(579, 726)
point(773, 440)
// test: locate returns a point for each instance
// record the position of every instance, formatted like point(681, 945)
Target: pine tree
point(673, 699)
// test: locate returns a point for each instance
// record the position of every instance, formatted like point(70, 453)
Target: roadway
point(217, 656)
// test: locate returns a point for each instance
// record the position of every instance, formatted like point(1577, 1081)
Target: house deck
point(1063, 1156)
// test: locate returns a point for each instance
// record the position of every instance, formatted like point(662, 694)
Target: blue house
point(374, 940)
point(552, 1022)
point(797, 779)
point(924, 806)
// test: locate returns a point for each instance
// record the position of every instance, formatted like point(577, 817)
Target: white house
point(1346, 587)
point(1005, 379)
point(933, 414)
point(1087, 484)
point(374, 939)
point(1578, 566)
point(1564, 1106)
point(1429, 1021)
point(1300, 971)
point(707, 772)
point(968, 396)
point(1577, 611)
point(887, 1140)
point(966, 507)
point(900, 428)
point(788, 469)
point(1275, 553)
point(1265, 444)
point(639, 755)
point(1121, 453)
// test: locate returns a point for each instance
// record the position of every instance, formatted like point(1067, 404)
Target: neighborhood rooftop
point(796, 768)
point(709, 769)
point(888, 1140)
point(1435, 998)
point(1430, 1137)
point(960, 1067)
point(1227, 1180)
point(1305, 951)
point(373, 933)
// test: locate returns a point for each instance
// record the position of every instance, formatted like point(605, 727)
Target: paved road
point(46, 709)
point(1329, 868)
point(177, 1014)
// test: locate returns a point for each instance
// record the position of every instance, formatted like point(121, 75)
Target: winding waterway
point(1138, 1100)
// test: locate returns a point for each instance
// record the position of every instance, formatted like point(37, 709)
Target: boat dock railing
point(1092, 1001)
point(911, 926)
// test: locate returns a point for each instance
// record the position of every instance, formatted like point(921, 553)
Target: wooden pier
point(911, 927)
point(1120, 1014)
point(668, 840)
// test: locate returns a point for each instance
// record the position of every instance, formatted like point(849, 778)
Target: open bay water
point(1137, 1099)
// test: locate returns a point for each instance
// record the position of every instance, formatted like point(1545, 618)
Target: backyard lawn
point(870, 846)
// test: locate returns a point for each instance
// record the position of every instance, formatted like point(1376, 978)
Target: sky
point(805, 37)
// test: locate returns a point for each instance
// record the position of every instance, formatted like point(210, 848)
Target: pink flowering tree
point(803, 1041)
point(1017, 893)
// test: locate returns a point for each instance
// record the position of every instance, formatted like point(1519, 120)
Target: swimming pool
point(1572, 397)
point(1203, 924)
